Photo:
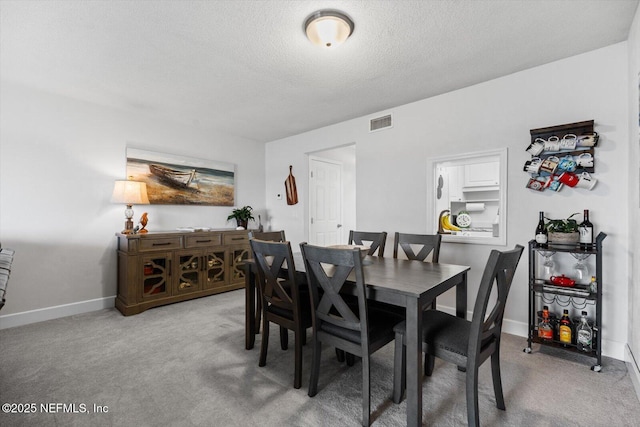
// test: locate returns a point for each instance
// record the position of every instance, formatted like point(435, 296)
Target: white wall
point(633, 356)
point(391, 167)
point(59, 158)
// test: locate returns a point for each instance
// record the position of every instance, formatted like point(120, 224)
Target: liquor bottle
point(586, 232)
point(593, 286)
point(565, 328)
point(584, 334)
point(541, 233)
point(545, 331)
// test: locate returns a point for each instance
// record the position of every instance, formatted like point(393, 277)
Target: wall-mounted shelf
point(575, 142)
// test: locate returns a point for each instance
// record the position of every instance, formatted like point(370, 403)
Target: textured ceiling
point(247, 69)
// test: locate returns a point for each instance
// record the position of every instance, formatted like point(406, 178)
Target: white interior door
point(325, 202)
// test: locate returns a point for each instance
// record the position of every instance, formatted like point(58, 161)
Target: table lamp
point(130, 193)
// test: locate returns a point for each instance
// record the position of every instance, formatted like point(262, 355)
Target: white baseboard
point(634, 369)
point(49, 313)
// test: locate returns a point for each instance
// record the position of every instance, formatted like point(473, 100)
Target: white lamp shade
point(130, 193)
point(328, 29)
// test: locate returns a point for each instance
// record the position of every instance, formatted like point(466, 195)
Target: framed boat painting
point(180, 180)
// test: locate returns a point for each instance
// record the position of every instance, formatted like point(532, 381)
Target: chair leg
point(351, 359)
point(284, 338)
point(497, 379)
point(340, 355)
point(315, 367)
point(265, 341)
point(297, 377)
point(366, 391)
point(473, 415)
point(429, 363)
point(433, 304)
point(258, 312)
point(399, 369)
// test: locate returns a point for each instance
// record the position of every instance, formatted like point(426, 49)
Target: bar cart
point(543, 292)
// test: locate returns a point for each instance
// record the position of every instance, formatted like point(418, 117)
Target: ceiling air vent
point(380, 123)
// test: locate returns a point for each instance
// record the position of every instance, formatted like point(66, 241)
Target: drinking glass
point(580, 269)
point(548, 266)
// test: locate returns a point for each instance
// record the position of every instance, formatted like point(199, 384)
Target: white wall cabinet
point(481, 174)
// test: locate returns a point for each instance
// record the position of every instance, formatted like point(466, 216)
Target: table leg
point(250, 307)
point(461, 297)
point(414, 363)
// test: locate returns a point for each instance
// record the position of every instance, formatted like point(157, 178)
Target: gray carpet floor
point(185, 365)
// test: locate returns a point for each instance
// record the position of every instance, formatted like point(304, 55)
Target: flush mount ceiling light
point(328, 28)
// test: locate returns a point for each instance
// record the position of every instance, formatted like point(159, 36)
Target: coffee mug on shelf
point(554, 184)
point(536, 184)
point(587, 140)
point(586, 181)
point(567, 164)
point(568, 178)
point(568, 142)
point(552, 144)
point(533, 166)
point(585, 160)
point(536, 147)
point(550, 164)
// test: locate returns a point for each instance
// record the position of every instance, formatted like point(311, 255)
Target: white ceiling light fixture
point(328, 28)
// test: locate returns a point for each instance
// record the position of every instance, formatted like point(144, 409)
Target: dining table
point(400, 282)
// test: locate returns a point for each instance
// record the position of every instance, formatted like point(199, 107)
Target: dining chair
point(336, 321)
point(284, 301)
point(466, 343)
point(423, 244)
point(270, 236)
point(375, 240)
point(426, 244)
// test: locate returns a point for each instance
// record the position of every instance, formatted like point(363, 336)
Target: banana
point(448, 225)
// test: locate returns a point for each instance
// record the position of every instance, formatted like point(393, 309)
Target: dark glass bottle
point(586, 232)
point(541, 233)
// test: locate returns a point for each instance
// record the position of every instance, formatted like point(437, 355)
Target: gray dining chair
point(466, 343)
point(336, 321)
point(375, 240)
point(270, 236)
point(426, 244)
point(284, 301)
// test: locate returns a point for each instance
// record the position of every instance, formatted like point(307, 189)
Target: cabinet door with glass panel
point(156, 276)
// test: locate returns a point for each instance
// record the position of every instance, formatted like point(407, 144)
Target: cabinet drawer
point(236, 239)
point(160, 244)
point(203, 241)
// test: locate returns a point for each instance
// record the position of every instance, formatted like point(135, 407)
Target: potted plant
point(563, 230)
point(242, 216)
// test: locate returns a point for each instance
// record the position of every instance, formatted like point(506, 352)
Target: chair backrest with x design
point(271, 257)
point(498, 274)
point(327, 271)
point(375, 240)
point(428, 243)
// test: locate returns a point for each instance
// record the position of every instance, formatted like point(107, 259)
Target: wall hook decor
point(290, 188)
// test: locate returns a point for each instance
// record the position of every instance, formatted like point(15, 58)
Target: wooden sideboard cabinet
point(159, 268)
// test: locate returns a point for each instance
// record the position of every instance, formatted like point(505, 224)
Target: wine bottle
point(565, 328)
point(541, 233)
point(586, 232)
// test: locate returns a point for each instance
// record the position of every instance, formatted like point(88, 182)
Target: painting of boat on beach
point(179, 180)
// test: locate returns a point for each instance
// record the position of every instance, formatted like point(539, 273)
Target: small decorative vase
point(243, 223)
point(567, 238)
